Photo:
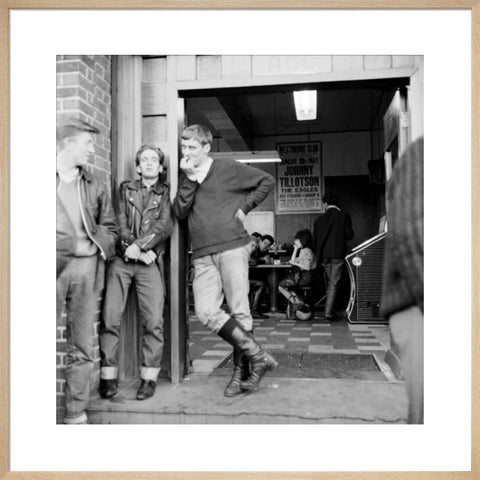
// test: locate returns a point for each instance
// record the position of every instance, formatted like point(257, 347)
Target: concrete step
point(199, 400)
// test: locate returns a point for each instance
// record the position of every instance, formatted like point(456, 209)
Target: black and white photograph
point(264, 254)
point(239, 254)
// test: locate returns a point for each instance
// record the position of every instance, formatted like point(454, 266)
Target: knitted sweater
point(211, 206)
point(403, 266)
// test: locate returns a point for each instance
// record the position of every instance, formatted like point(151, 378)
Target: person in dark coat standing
point(331, 231)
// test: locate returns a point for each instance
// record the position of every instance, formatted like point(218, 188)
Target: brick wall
point(84, 91)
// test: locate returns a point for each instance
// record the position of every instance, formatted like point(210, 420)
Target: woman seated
point(304, 263)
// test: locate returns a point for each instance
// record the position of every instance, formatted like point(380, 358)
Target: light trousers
point(222, 276)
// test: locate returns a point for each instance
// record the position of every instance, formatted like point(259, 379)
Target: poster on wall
point(300, 178)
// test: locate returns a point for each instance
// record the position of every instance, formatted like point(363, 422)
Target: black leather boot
point(260, 361)
point(241, 371)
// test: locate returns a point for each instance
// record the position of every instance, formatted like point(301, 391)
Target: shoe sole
point(239, 394)
point(144, 398)
point(107, 398)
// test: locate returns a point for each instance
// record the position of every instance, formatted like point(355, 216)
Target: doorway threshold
point(200, 400)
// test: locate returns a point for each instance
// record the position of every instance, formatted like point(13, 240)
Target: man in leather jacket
point(86, 235)
point(145, 216)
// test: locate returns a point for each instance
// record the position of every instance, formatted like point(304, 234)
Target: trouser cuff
point(149, 373)
point(109, 373)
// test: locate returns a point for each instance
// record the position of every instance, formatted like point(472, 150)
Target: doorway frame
point(175, 124)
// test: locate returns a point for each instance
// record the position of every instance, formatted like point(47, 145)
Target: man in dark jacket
point(331, 231)
point(86, 235)
point(216, 196)
point(145, 217)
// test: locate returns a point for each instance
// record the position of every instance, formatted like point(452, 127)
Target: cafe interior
point(340, 143)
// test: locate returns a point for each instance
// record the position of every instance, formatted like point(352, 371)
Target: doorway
point(349, 127)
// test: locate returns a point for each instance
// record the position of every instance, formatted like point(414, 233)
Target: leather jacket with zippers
point(148, 227)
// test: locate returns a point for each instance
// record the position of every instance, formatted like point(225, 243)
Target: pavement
point(199, 398)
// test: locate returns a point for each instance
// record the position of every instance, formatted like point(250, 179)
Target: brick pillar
point(84, 91)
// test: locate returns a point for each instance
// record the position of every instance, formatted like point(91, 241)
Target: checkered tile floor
point(277, 333)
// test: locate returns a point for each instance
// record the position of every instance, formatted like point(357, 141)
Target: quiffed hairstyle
point(72, 127)
point(200, 133)
point(330, 198)
point(305, 237)
point(155, 149)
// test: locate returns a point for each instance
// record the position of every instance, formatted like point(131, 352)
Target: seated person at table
point(303, 262)
point(258, 285)
point(254, 241)
point(260, 254)
point(255, 238)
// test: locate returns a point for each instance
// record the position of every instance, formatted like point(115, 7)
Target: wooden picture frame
point(5, 472)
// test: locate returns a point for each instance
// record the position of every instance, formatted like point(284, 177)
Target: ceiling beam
point(214, 112)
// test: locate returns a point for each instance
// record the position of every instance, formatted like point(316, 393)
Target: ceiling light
point(264, 156)
point(305, 104)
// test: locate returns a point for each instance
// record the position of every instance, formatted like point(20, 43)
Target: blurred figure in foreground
point(402, 301)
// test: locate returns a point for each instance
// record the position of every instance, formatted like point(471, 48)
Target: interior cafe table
point(274, 276)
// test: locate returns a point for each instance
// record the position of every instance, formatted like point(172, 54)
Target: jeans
point(333, 269)
point(76, 286)
point(218, 276)
point(151, 297)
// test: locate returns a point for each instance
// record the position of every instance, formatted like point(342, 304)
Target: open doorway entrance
point(349, 129)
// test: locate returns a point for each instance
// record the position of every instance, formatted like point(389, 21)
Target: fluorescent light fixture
point(305, 104)
point(264, 156)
